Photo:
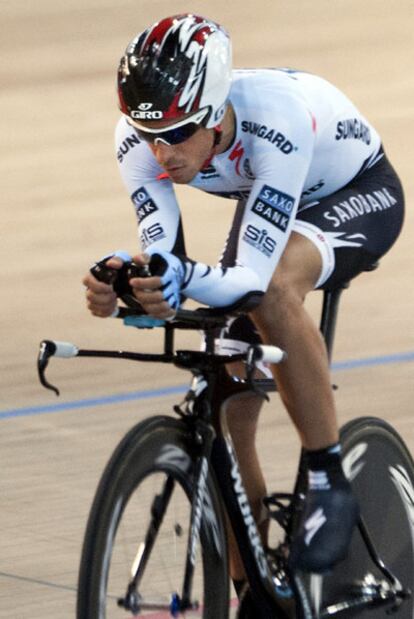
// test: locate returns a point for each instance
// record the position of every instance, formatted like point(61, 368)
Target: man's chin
point(182, 175)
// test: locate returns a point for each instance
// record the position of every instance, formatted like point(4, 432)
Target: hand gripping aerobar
point(172, 272)
point(163, 264)
point(119, 278)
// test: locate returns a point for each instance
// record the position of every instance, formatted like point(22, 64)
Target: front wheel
point(141, 516)
point(381, 470)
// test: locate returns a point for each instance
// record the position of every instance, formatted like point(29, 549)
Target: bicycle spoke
point(161, 561)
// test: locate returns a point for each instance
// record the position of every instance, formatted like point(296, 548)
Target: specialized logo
point(404, 485)
point(143, 203)
point(313, 524)
point(353, 129)
point(144, 112)
point(150, 235)
point(274, 206)
point(198, 510)
point(357, 206)
point(171, 454)
point(271, 135)
point(129, 143)
point(259, 239)
point(353, 463)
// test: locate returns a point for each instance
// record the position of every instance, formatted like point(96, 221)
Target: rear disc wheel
point(381, 470)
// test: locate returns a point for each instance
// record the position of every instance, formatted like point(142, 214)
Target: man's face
point(184, 160)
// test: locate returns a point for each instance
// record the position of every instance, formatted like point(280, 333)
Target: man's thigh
point(355, 226)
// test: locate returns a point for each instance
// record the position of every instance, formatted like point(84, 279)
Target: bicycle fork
point(203, 436)
point(132, 600)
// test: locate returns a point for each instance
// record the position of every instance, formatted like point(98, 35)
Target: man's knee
point(295, 276)
point(279, 300)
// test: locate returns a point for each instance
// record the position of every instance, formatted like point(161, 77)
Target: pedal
point(280, 508)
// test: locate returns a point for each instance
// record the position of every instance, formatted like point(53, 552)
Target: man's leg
point(243, 414)
point(305, 388)
point(242, 419)
point(303, 379)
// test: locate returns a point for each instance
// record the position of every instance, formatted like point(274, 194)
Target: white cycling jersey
point(298, 139)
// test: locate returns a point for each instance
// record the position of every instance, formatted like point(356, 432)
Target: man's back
point(289, 125)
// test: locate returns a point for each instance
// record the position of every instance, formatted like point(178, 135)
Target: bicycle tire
point(157, 447)
point(381, 470)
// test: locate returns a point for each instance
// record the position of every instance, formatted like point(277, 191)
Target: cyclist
point(318, 202)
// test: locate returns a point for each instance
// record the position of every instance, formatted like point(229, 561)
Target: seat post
point(330, 310)
point(329, 316)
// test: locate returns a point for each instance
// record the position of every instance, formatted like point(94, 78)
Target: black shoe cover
point(325, 530)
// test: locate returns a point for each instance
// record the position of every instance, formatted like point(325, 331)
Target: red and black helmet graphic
point(163, 72)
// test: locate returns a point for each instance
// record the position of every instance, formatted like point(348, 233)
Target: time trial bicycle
point(155, 543)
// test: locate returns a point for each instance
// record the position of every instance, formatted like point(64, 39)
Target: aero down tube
point(229, 479)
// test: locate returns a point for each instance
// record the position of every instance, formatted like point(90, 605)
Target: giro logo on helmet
point(144, 112)
point(155, 115)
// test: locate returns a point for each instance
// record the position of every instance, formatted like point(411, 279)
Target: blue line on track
point(159, 393)
point(90, 402)
point(353, 364)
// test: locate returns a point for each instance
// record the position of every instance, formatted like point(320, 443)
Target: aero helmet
point(179, 66)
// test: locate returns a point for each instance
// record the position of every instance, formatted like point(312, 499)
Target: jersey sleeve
point(268, 216)
point(153, 197)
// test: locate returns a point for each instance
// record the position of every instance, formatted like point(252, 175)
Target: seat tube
point(329, 316)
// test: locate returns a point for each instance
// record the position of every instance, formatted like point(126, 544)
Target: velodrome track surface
point(63, 205)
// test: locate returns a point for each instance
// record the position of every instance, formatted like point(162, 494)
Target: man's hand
point(159, 295)
point(147, 291)
point(101, 298)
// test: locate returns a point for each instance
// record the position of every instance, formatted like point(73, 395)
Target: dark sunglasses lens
point(173, 136)
point(145, 136)
point(181, 133)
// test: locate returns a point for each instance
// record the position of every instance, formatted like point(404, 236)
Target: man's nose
point(163, 152)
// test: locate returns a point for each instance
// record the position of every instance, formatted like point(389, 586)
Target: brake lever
point(47, 350)
point(250, 364)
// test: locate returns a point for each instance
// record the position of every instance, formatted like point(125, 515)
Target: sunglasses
point(173, 134)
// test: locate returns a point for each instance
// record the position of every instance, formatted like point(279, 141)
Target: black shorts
point(352, 229)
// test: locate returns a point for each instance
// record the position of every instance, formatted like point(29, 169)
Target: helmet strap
point(218, 134)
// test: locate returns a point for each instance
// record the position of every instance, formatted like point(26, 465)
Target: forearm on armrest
point(219, 286)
